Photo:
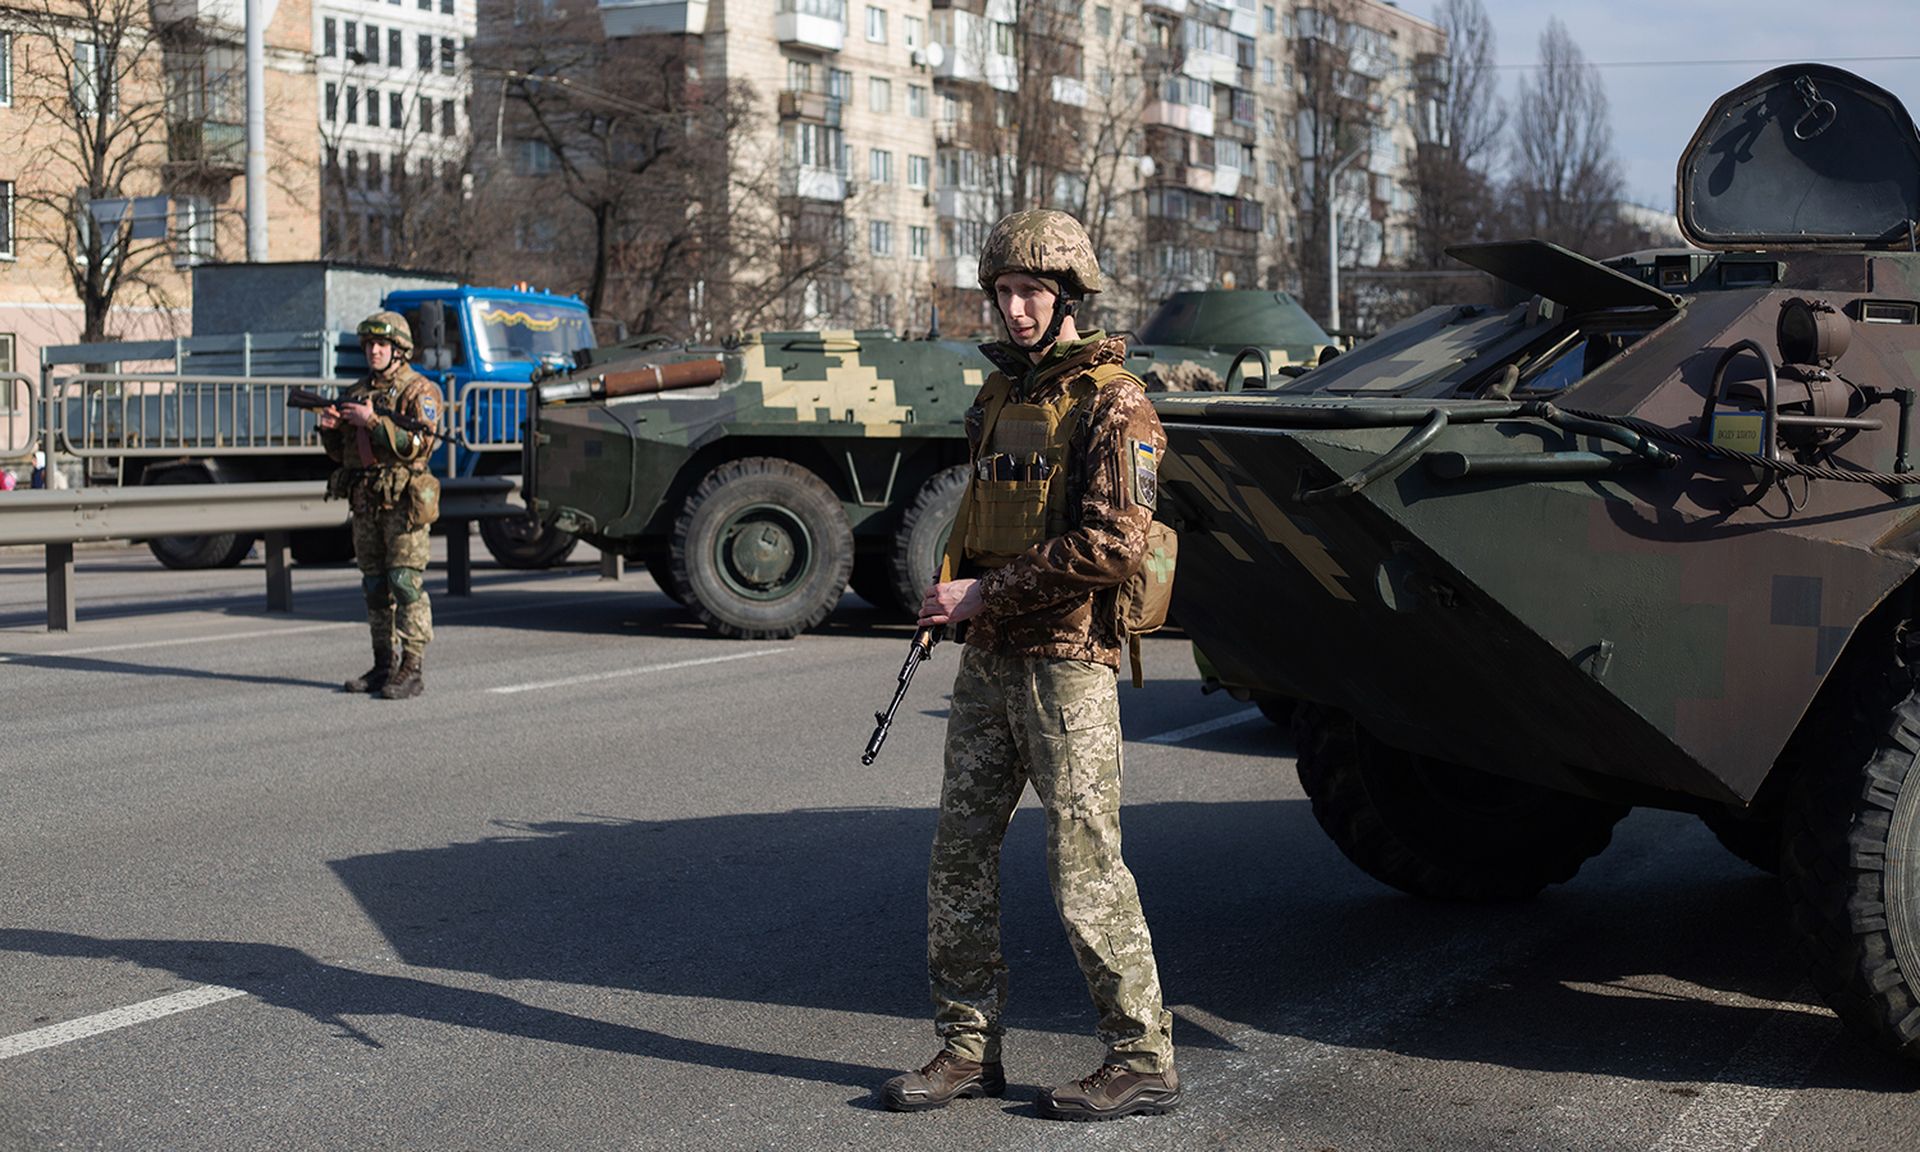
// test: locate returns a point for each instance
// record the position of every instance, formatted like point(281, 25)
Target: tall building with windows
point(393, 82)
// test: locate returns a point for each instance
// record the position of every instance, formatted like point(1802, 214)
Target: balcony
point(815, 106)
point(1070, 90)
point(620, 19)
point(950, 203)
point(1186, 117)
point(1213, 67)
point(1178, 7)
point(811, 24)
point(211, 146)
point(806, 182)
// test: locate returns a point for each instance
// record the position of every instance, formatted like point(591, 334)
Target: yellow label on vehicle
point(1738, 431)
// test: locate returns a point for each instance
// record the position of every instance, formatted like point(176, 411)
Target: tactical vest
point(1016, 495)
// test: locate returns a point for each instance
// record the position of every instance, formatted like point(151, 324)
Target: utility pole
point(1333, 237)
point(256, 131)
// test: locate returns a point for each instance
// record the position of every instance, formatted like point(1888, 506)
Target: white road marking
point(54, 1035)
point(1734, 1111)
point(591, 677)
point(1230, 720)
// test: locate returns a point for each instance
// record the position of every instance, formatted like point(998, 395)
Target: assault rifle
point(920, 650)
point(309, 400)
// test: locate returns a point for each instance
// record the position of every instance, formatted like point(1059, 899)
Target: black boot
point(407, 682)
point(374, 678)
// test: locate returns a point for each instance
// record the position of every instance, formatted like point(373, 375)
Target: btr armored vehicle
point(1647, 537)
point(759, 479)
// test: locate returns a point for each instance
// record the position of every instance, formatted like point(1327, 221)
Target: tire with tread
point(521, 542)
point(660, 567)
point(1852, 877)
point(190, 553)
point(762, 548)
point(1439, 830)
point(922, 536)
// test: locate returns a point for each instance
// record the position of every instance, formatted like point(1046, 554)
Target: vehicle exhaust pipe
point(636, 381)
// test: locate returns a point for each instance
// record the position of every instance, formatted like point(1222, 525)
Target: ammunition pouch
point(423, 499)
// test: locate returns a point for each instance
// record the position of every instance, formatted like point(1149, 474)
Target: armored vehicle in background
point(1649, 538)
point(761, 479)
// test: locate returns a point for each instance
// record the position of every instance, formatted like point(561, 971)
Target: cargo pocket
point(1091, 727)
point(423, 500)
point(1008, 516)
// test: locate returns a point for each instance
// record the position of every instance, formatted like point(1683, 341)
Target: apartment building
point(172, 88)
point(1190, 134)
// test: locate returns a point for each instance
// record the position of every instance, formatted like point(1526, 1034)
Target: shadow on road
point(123, 668)
point(1257, 922)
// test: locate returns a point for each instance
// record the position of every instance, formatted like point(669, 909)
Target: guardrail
point(19, 418)
point(59, 519)
point(488, 417)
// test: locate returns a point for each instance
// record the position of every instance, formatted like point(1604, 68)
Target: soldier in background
point(381, 434)
point(1064, 448)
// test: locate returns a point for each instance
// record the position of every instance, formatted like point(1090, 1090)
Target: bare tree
point(1454, 189)
point(1565, 179)
point(92, 85)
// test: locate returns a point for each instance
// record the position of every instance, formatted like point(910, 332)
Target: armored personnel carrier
point(759, 480)
point(1649, 537)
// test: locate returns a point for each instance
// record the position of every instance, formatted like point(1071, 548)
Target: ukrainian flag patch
point(1144, 466)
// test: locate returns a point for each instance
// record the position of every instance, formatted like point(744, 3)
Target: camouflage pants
point(1056, 723)
point(393, 563)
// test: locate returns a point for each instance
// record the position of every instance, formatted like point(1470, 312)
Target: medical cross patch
point(1144, 464)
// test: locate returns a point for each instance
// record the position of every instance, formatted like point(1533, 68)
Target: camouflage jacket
point(405, 427)
point(1057, 598)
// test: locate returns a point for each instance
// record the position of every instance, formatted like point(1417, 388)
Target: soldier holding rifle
point(1064, 448)
point(381, 433)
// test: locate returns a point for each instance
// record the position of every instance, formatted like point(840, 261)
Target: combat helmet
point(1046, 243)
point(391, 327)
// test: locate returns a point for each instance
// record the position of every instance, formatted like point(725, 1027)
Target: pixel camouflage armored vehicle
point(1649, 538)
point(758, 480)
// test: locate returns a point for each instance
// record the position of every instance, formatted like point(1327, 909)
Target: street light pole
point(256, 131)
point(1333, 238)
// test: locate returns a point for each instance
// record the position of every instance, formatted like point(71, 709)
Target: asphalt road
point(613, 883)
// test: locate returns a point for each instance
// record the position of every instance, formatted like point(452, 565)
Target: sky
point(1676, 46)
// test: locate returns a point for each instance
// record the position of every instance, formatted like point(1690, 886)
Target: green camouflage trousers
point(1057, 723)
point(393, 564)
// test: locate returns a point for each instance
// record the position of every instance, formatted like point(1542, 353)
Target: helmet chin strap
point(1063, 308)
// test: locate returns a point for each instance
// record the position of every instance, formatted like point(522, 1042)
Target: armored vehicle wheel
point(922, 535)
point(763, 549)
point(213, 550)
point(1441, 830)
point(1755, 841)
point(523, 542)
point(660, 567)
point(1852, 873)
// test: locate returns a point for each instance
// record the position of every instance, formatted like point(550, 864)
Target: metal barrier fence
point(489, 414)
point(59, 519)
point(19, 418)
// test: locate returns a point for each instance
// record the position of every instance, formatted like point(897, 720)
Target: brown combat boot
point(374, 678)
point(1113, 1091)
point(407, 681)
point(944, 1079)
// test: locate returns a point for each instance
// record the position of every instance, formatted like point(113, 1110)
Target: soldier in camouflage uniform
point(1064, 447)
point(381, 436)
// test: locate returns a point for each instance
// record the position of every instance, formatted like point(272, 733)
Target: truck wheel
point(1755, 841)
point(523, 542)
point(763, 549)
point(922, 535)
point(1852, 878)
point(1440, 830)
point(214, 550)
point(660, 567)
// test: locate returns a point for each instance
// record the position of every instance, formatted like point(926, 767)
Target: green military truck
point(760, 479)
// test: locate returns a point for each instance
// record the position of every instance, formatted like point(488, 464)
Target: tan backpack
point(1141, 604)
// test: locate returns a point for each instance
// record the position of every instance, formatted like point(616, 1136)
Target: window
point(918, 241)
point(446, 118)
point(816, 146)
point(536, 159)
point(1267, 18)
point(6, 69)
point(1103, 21)
point(917, 100)
point(333, 101)
point(880, 237)
point(426, 53)
point(879, 95)
point(883, 310)
point(6, 224)
point(446, 7)
point(426, 5)
point(329, 37)
point(396, 110)
point(373, 168)
point(426, 113)
point(353, 104)
point(373, 45)
point(1003, 39)
point(876, 25)
point(6, 351)
point(353, 39)
point(393, 48)
point(94, 84)
point(353, 168)
point(918, 168)
point(880, 166)
point(799, 76)
point(373, 108)
point(1268, 73)
point(377, 234)
point(915, 31)
point(446, 54)
point(839, 84)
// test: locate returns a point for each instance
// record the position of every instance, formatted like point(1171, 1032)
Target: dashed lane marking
point(1230, 720)
point(54, 1035)
point(591, 677)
